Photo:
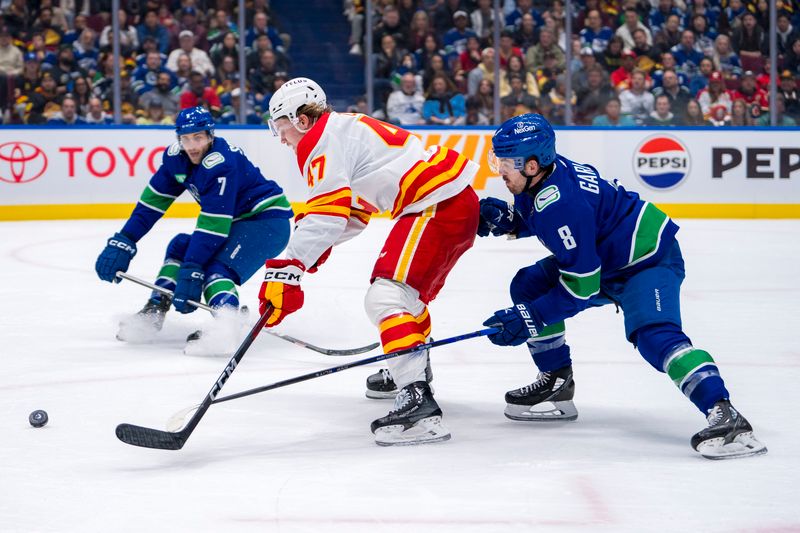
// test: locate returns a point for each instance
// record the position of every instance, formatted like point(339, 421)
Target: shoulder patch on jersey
point(180, 178)
point(546, 196)
point(174, 148)
point(213, 159)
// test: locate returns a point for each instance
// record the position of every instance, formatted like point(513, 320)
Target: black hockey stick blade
point(325, 351)
point(150, 438)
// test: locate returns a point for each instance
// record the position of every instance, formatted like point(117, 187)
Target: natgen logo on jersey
point(661, 162)
point(21, 162)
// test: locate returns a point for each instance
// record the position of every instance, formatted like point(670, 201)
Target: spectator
point(554, 102)
point(646, 54)
point(636, 100)
point(184, 70)
point(189, 22)
point(78, 25)
point(660, 14)
point(96, 114)
point(227, 76)
point(430, 48)
point(516, 68)
point(791, 98)
point(387, 60)
point(732, 15)
point(694, 114)
point(419, 29)
point(82, 93)
point(44, 24)
point(164, 92)
point(621, 78)
point(154, 115)
point(66, 69)
point(677, 94)
point(507, 48)
point(611, 58)
point(151, 27)
point(18, 19)
point(404, 106)
point(86, 51)
point(485, 70)
point(699, 81)
point(593, 97)
point(220, 26)
point(149, 45)
point(128, 38)
point(748, 40)
point(725, 59)
point(594, 33)
point(58, 16)
point(700, 7)
point(145, 77)
point(261, 79)
point(10, 66)
point(443, 15)
point(751, 93)
point(68, 115)
point(612, 117)
point(231, 113)
point(468, 60)
point(435, 68)
point(254, 55)
point(546, 74)
point(740, 116)
point(198, 94)
point(792, 60)
point(527, 35)
point(581, 76)
point(517, 101)
point(719, 116)
point(524, 7)
point(631, 23)
point(443, 105)
point(455, 40)
point(200, 60)
point(483, 19)
point(786, 34)
point(228, 46)
point(390, 25)
point(686, 55)
point(480, 106)
point(668, 36)
point(662, 114)
point(534, 57)
point(714, 94)
point(582, 16)
point(703, 35)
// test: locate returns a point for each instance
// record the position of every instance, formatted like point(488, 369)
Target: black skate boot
point(415, 419)
point(381, 385)
point(728, 436)
point(549, 398)
point(149, 320)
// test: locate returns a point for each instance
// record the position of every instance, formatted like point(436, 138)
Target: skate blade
point(564, 411)
point(426, 431)
point(743, 445)
point(385, 395)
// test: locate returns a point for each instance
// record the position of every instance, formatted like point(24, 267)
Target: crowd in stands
point(634, 62)
point(57, 62)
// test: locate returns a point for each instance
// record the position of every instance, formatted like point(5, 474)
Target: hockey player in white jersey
point(356, 166)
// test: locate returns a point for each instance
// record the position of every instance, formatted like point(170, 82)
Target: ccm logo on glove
point(114, 243)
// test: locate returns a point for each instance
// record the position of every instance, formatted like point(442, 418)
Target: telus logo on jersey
point(21, 162)
point(661, 162)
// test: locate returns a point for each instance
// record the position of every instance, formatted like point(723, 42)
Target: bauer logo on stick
point(661, 162)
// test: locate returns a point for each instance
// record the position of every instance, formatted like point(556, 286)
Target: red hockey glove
point(281, 289)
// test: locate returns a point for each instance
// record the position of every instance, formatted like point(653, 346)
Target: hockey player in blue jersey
point(244, 220)
point(608, 246)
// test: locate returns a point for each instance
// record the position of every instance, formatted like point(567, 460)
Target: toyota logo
point(21, 162)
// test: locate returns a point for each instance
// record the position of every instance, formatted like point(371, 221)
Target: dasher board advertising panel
point(99, 172)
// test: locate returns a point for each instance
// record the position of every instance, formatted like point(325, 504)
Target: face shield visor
point(277, 128)
point(501, 166)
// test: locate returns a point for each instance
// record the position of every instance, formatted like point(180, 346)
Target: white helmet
point(294, 94)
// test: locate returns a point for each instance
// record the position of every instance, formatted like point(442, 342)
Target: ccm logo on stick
point(758, 161)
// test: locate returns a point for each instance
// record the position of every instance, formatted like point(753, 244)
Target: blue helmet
point(194, 119)
point(524, 137)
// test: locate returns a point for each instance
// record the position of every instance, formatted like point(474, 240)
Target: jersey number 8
point(567, 238)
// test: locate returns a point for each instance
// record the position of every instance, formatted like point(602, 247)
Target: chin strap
point(545, 173)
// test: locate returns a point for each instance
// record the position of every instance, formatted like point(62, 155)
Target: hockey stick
point(177, 419)
point(168, 440)
point(298, 342)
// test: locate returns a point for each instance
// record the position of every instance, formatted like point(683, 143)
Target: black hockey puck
point(38, 418)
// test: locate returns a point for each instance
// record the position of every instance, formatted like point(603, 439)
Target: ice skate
point(728, 436)
point(415, 419)
point(549, 398)
point(381, 385)
point(147, 322)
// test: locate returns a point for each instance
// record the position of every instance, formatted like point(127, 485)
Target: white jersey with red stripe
point(356, 166)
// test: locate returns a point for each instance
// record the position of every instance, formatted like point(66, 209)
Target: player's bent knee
point(386, 297)
point(177, 247)
point(656, 341)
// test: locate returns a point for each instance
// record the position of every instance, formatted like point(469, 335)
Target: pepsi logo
point(661, 162)
point(21, 162)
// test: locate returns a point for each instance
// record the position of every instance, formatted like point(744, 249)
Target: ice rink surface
point(301, 458)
